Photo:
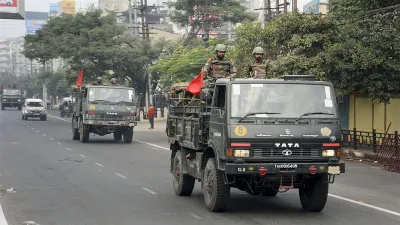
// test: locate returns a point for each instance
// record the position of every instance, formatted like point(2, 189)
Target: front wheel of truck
point(183, 184)
point(83, 133)
point(314, 193)
point(128, 136)
point(216, 192)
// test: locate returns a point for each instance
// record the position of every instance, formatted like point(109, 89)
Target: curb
point(359, 154)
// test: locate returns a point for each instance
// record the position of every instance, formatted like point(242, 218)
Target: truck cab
point(11, 98)
point(262, 136)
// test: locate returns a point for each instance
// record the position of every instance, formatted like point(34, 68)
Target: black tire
point(3, 107)
point(43, 118)
point(314, 194)
point(83, 133)
point(216, 192)
point(183, 184)
point(75, 131)
point(8, 4)
point(269, 192)
point(128, 136)
point(117, 136)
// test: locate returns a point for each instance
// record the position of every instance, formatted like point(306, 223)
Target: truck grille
point(295, 153)
point(112, 117)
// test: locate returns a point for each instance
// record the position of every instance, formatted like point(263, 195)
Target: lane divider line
point(151, 144)
point(150, 191)
point(99, 164)
point(120, 175)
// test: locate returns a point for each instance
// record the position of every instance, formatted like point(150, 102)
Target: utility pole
point(294, 7)
point(130, 17)
point(285, 3)
point(135, 17)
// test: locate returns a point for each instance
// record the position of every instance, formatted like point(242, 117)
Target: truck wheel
point(216, 192)
point(75, 131)
point(183, 184)
point(269, 191)
point(314, 193)
point(128, 136)
point(84, 133)
point(117, 136)
point(43, 118)
point(3, 107)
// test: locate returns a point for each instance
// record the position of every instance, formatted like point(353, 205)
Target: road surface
point(47, 178)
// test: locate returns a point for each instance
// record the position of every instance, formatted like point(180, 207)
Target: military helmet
point(220, 47)
point(99, 78)
point(258, 50)
point(113, 80)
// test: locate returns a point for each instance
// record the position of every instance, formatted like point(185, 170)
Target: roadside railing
point(362, 139)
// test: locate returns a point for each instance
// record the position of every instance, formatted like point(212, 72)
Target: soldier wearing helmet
point(219, 66)
point(258, 67)
point(99, 81)
point(113, 81)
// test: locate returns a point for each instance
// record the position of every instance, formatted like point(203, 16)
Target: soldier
point(219, 66)
point(258, 67)
point(99, 81)
point(113, 81)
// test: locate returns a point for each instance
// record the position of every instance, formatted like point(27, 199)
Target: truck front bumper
point(110, 123)
point(334, 168)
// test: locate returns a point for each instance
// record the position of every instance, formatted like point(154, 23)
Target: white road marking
point(150, 191)
point(58, 143)
point(3, 220)
point(99, 164)
point(151, 144)
point(366, 205)
point(23, 123)
point(32, 128)
point(195, 216)
point(37, 131)
point(82, 156)
point(51, 139)
point(120, 175)
point(59, 118)
point(44, 135)
point(68, 149)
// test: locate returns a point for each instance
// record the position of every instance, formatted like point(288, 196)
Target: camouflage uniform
point(99, 81)
point(258, 68)
point(217, 68)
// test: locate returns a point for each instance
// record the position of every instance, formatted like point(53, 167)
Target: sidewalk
point(348, 153)
point(159, 125)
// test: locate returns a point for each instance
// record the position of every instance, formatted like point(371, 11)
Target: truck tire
point(83, 133)
point(216, 192)
point(128, 136)
point(314, 194)
point(43, 118)
point(117, 136)
point(269, 191)
point(2, 107)
point(183, 184)
point(75, 131)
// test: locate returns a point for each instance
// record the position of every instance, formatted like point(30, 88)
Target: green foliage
point(228, 10)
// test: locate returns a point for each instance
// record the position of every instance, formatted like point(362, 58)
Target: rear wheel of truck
point(128, 136)
point(84, 133)
point(216, 192)
point(75, 131)
point(117, 136)
point(183, 184)
point(314, 193)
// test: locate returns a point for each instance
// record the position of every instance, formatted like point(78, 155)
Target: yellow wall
point(364, 114)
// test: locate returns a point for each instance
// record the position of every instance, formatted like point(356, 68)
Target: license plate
point(285, 166)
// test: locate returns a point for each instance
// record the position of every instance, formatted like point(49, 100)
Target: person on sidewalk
point(150, 115)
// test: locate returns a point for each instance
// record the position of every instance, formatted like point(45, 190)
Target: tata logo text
point(287, 145)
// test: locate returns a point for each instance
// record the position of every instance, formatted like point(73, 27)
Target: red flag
point(196, 84)
point(79, 79)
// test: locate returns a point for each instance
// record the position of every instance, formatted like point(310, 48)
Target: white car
point(34, 108)
point(7, 2)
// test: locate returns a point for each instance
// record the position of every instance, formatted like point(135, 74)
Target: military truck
point(261, 136)
point(103, 109)
point(11, 98)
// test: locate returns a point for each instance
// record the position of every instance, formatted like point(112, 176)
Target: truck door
point(217, 128)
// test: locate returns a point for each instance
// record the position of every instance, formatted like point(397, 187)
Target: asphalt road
point(47, 178)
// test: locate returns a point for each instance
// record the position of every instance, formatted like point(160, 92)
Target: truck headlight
point(328, 153)
point(241, 153)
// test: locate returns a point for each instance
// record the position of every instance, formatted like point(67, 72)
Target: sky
point(15, 28)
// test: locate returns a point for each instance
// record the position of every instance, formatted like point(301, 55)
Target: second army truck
point(11, 97)
point(103, 109)
point(261, 136)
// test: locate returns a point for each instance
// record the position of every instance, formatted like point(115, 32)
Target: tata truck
point(261, 136)
point(102, 110)
point(11, 98)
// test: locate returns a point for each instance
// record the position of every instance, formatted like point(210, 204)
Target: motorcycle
point(65, 112)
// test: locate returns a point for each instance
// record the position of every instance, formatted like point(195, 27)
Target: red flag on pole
point(196, 84)
point(79, 79)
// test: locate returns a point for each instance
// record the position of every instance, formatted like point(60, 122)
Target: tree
point(207, 14)
point(95, 43)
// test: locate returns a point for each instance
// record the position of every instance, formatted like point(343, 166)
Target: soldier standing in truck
point(219, 66)
point(258, 67)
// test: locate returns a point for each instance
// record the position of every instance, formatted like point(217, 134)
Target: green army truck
point(11, 98)
point(261, 136)
point(102, 110)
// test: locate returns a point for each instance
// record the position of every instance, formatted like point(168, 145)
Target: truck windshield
point(112, 95)
point(11, 92)
point(282, 100)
